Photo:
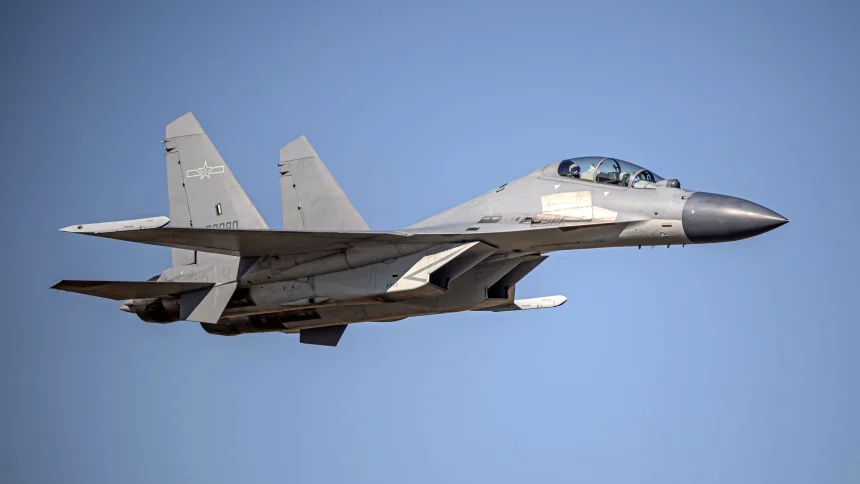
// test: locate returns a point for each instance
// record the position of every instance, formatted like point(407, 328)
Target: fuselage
point(587, 214)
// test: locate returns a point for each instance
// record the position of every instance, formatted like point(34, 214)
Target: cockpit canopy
point(611, 171)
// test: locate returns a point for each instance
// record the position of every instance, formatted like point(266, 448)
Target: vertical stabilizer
point(203, 191)
point(311, 199)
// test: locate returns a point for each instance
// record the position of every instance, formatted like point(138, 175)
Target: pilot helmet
point(574, 170)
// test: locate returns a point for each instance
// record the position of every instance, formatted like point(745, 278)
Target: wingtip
point(72, 228)
point(147, 223)
point(185, 125)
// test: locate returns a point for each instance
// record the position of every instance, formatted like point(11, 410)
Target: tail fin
point(310, 197)
point(201, 187)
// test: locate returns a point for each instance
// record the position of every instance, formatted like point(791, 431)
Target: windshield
point(611, 171)
point(644, 178)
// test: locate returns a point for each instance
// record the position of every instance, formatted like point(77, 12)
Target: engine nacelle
point(263, 323)
point(166, 309)
point(155, 310)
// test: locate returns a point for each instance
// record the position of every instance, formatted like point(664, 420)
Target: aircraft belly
point(469, 291)
point(418, 276)
point(466, 292)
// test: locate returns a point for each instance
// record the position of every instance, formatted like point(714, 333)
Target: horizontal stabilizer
point(119, 290)
point(533, 303)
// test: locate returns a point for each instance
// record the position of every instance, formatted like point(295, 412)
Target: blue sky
point(717, 363)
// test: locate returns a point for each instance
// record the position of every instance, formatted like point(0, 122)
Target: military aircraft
point(326, 269)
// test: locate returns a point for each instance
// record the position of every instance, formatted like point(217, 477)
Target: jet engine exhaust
point(153, 310)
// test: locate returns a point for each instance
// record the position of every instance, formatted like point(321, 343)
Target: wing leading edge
point(262, 242)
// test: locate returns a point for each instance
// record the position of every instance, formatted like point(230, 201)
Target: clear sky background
point(736, 362)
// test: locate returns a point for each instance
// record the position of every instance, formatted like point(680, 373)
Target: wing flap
point(121, 290)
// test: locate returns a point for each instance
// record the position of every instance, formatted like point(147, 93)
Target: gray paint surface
point(326, 269)
point(311, 199)
point(119, 290)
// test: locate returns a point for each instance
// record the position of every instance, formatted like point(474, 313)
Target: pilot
point(573, 170)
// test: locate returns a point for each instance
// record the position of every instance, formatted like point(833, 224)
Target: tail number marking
point(224, 225)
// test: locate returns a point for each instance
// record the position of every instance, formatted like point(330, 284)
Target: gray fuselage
point(516, 215)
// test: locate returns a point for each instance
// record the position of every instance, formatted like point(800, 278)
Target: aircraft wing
point(262, 242)
point(241, 242)
point(119, 290)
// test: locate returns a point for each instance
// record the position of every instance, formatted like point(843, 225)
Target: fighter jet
point(326, 269)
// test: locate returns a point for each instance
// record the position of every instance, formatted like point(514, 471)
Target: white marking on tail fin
point(205, 171)
point(219, 203)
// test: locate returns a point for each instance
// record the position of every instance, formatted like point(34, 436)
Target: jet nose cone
point(709, 217)
point(125, 308)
